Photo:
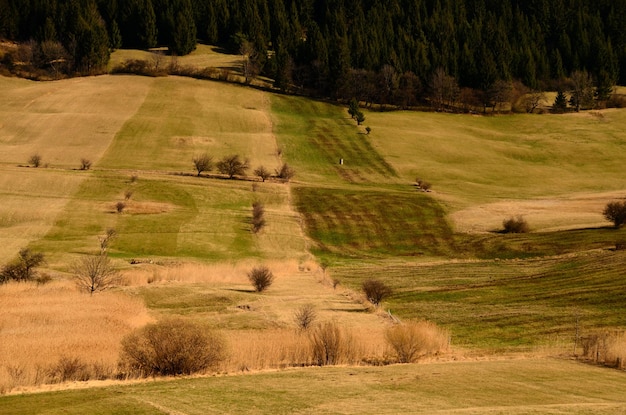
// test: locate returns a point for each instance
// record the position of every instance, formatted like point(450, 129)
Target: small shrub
point(616, 213)
point(106, 239)
point(120, 206)
point(260, 278)
point(258, 217)
point(331, 345)
point(375, 291)
point(411, 341)
point(170, 347)
point(35, 160)
point(134, 178)
point(23, 268)
point(368, 130)
point(285, 172)
point(305, 316)
point(69, 369)
point(423, 184)
point(515, 225)
point(85, 164)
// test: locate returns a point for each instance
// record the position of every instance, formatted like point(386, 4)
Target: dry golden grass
point(204, 56)
point(253, 350)
point(40, 325)
point(67, 120)
point(543, 214)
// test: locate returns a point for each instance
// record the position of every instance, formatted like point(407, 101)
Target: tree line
point(388, 51)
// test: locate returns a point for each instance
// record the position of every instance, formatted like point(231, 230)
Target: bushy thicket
point(171, 347)
point(414, 340)
point(515, 225)
point(261, 278)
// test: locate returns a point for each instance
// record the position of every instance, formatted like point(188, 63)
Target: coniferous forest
point(384, 51)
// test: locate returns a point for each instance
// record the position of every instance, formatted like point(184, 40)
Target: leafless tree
point(94, 273)
point(262, 172)
point(533, 99)
point(233, 166)
point(85, 164)
point(444, 89)
point(35, 160)
point(203, 162)
point(249, 61)
point(106, 239)
point(582, 90)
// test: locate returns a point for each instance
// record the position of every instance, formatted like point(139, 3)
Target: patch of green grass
point(514, 387)
point(501, 304)
point(481, 159)
point(315, 136)
point(365, 221)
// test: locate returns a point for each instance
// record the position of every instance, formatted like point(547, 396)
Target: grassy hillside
point(184, 243)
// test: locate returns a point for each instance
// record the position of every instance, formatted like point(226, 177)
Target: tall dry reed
point(51, 333)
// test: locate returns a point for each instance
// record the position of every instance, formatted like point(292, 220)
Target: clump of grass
point(331, 344)
point(414, 340)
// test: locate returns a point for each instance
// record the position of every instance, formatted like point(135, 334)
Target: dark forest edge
point(445, 54)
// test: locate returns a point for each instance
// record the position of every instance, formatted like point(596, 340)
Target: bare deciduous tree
point(94, 273)
point(285, 172)
point(233, 166)
point(106, 239)
point(616, 213)
point(35, 160)
point(263, 173)
point(203, 162)
point(85, 164)
point(258, 216)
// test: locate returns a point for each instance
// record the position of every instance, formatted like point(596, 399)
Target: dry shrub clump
point(414, 340)
point(53, 333)
point(608, 348)
point(515, 225)
point(170, 347)
point(261, 278)
point(331, 344)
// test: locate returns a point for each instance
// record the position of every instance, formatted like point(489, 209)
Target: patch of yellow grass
point(39, 325)
point(250, 350)
point(223, 273)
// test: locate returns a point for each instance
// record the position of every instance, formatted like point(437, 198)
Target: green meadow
point(513, 304)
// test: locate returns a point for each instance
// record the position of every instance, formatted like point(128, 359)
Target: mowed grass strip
point(538, 386)
point(182, 117)
point(505, 304)
point(475, 159)
point(374, 221)
point(315, 136)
